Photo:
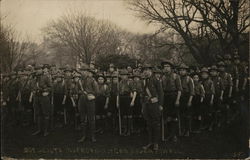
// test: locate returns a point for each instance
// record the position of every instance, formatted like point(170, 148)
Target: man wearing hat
point(186, 99)
point(172, 91)
point(102, 103)
point(12, 97)
point(58, 94)
point(152, 96)
point(237, 77)
point(86, 105)
point(112, 108)
point(42, 104)
point(199, 95)
point(138, 121)
point(67, 104)
point(219, 91)
point(125, 102)
point(74, 93)
point(25, 91)
point(208, 107)
point(232, 70)
point(228, 84)
point(111, 68)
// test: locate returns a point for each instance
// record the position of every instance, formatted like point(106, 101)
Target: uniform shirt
point(43, 83)
point(90, 85)
point(13, 88)
point(125, 87)
point(138, 86)
point(26, 86)
point(233, 70)
point(199, 89)
point(171, 82)
point(113, 89)
point(104, 90)
point(226, 79)
point(243, 73)
point(208, 86)
point(58, 88)
point(187, 85)
point(67, 85)
point(218, 85)
point(155, 88)
point(75, 88)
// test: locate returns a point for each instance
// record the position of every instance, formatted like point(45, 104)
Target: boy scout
point(102, 102)
point(172, 91)
point(186, 99)
point(86, 105)
point(208, 104)
point(153, 101)
point(42, 104)
point(218, 97)
point(228, 84)
point(199, 94)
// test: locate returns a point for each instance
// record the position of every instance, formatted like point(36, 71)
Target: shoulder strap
point(174, 75)
point(188, 79)
point(105, 87)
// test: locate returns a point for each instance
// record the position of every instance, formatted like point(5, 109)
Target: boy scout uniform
point(12, 95)
point(152, 99)
point(101, 111)
point(171, 86)
point(199, 94)
point(25, 94)
point(208, 108)
point(75, 94)
point(112, 108)
point(228, 83)
point(42, 103)
point(86, 105)
point(125, 89)
point(58, 94)
point(185, 110)
point(219, 88)
point(139, 122)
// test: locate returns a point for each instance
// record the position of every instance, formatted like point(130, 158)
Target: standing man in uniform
point(86, 104)
point(218, 97)
point(126, 102)
point(42, 101)
point(186, 99)
point(228, 84)
point(153, 101)
point(199, 95)
point(58, 94)
point(208, 107)
point(139, 123)
point(172, 92)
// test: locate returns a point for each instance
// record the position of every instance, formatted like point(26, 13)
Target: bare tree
point(199, 23)
point(85, 36)
point(12, 48)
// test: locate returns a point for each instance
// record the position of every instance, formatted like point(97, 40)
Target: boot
point(92, 131)
point(156, 147)
point(46, 127)
point(93, 139)
point(148, 146)
point(83, 138)
point(38, 126)
point(129, 126)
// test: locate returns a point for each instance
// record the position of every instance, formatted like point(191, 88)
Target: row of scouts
point(166, 101)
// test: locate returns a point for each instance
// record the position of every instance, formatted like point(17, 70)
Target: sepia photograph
point(124, 79)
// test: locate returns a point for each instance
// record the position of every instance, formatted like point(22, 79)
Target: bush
point(120, 61)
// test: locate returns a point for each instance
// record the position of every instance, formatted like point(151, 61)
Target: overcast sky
point(29, 16)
